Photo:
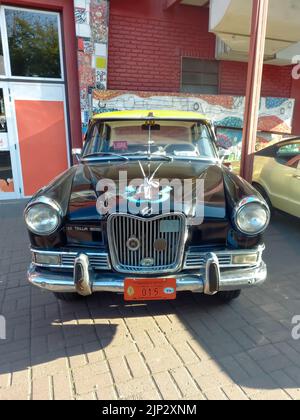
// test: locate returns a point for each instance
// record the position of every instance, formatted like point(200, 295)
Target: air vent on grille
point(195, 260)
point(98, 262)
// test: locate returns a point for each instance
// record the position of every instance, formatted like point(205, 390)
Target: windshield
point(176, 139)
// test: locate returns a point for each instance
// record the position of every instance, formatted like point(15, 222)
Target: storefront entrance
point(33, 116)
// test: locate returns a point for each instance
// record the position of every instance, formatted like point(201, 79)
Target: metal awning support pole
point(254, 80)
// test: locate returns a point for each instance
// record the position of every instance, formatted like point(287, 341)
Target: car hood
point(85, 193)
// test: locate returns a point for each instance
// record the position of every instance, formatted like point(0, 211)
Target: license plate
point(149, 289)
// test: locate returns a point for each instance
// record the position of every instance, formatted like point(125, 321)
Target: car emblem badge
point(147, 262)
point(160, 245)
point(133, 244)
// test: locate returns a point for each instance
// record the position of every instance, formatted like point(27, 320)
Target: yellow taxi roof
point(156, 114)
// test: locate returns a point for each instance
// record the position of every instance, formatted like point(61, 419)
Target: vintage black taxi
point(148, 211)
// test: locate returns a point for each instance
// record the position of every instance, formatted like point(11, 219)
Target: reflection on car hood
point(82, 204)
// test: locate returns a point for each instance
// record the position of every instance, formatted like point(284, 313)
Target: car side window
point(289, 155)
point(94, 139)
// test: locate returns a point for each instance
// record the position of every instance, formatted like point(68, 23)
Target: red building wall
point(147, 43)
point(277, 81)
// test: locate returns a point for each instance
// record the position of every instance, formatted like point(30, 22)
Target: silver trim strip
point(196, 256)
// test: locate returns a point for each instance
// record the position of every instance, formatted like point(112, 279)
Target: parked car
point(277, 175)
point(88, 237)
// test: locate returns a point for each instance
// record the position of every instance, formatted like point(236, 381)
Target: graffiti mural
point(91, 18)
point(227, 112)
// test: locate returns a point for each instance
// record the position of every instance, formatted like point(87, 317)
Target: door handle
point(297, 177)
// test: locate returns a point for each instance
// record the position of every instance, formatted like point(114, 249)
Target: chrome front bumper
point(65, 282)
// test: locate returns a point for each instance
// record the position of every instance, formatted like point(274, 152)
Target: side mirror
point(77, 153)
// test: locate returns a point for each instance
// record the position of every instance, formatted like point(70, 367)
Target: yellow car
point(277, 175)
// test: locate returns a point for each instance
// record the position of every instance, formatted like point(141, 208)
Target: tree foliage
point(33, 44)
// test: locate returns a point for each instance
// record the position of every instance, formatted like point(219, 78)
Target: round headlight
point(252, 216)
point(42, 218)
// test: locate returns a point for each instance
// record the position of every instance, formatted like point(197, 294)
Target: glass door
point(33, 101)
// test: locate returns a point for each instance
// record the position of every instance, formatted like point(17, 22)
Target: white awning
point(230, 20)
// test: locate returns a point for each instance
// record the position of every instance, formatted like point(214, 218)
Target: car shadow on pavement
point(241, 350)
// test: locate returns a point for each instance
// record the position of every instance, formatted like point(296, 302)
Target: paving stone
point(161, 359)
point(192, 348)
point(167, 386)
point(184, 381)
point(136, 389)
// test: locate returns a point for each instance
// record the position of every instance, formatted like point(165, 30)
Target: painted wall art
point(91, 18)
point(227, 112)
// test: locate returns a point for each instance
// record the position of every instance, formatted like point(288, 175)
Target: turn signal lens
point(245, 259)
point(46, 259)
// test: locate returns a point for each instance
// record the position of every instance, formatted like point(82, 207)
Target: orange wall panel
point(42, 140)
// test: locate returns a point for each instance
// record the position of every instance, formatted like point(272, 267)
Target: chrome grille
point(97, 261)
point(197, 260)
point(123, 227)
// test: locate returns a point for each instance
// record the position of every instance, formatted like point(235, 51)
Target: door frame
point(64, 12)
point(13, 145)
point(70, 59)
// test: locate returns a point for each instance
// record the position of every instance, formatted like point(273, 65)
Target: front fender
point(236, 189)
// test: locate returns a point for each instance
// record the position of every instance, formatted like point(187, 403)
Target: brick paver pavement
point(193, 348)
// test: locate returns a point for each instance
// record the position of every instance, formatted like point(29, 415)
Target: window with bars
point(200, 76)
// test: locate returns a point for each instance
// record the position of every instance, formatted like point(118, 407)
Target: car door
point(281, 176)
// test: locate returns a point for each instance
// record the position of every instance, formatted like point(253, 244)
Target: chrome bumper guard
point(208, 280)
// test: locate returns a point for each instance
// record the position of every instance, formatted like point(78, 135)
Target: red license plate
point(149, 289)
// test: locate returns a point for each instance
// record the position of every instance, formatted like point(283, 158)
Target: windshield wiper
point(151, 155)
point(99, 154)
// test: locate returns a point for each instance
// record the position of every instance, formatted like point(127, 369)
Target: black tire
point(68, 297)
point(264, 194)
point(227, 297)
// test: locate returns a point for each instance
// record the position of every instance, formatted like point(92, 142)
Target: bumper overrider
point(212, 277)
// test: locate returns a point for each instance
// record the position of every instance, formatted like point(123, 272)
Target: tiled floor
point(194, 348)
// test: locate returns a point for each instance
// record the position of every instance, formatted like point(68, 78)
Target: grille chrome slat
point(98, 262)
point(147, 231)
point(198, 260)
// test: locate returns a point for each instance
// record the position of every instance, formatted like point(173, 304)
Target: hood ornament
point(149, 192)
